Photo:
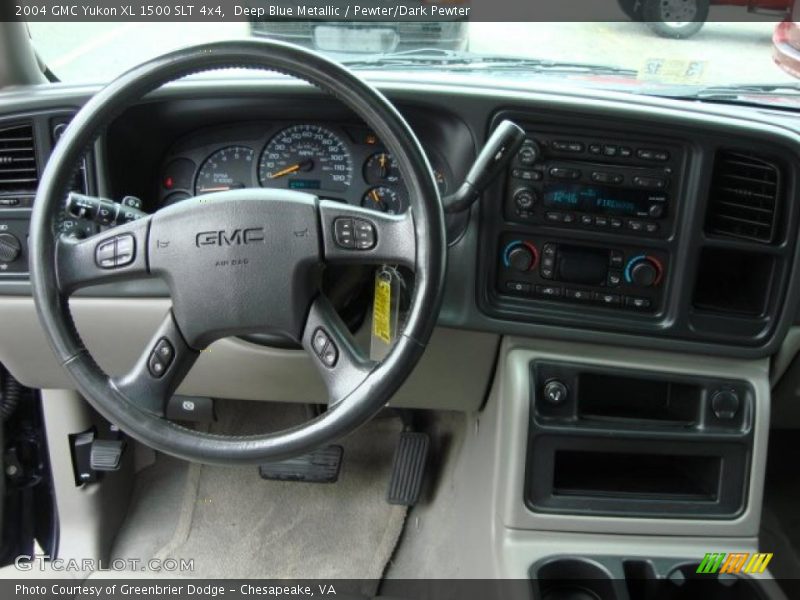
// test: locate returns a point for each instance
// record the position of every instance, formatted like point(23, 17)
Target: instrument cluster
point(340, 162)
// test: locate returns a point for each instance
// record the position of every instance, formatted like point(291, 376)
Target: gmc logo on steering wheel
point(236, 237)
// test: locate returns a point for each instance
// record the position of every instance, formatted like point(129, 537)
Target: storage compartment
point(733, 282)
point(636, 475)
point(613, 397)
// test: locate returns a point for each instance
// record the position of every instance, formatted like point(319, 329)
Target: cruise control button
point(165, 351)
point(330, 355)
point(155, 366)
point(319, 341)
point(344, 233)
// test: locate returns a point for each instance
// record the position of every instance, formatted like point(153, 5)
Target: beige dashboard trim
point(454, 373)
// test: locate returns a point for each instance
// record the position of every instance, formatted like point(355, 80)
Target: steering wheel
point(237, 262)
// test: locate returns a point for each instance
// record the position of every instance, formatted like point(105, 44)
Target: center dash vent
point(745, 194)
point(18, 172)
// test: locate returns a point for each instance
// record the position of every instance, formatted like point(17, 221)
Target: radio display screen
point(599, 199)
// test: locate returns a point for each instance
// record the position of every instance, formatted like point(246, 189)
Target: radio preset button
point(625, 151)
point(564, 173)
point(610, 150)
point(595, 149)
point(615, 223)
point(554, 217)
point(635, 225)
point(527, 174)
point(651, 227)
point(601, 221)
point(656, 183)
point(587, 220)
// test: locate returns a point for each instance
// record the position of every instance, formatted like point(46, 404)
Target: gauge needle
point(375, 198)
point(292, 169)
point(382, 163)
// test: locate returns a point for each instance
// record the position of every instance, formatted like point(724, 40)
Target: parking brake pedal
point(106, 455)
point(320, 466)
point(408, 468)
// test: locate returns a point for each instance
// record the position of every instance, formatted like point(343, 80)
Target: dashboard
point(649, 223)
point(343, 162)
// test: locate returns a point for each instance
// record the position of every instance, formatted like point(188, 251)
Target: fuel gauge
point(384, 199)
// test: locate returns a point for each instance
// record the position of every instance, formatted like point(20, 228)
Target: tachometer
point(306, 157)
point(230, 168)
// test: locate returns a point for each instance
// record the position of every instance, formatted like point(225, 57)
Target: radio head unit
point(622, 187)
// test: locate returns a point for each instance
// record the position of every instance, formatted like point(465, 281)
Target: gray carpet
point(235, 524)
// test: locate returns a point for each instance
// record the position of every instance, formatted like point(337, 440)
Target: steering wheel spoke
point(334, 351)
point(355, 235)
point(117, 254)
point(159, 370)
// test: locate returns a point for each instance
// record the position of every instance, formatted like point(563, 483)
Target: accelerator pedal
point(320, 466)
point(408, 468)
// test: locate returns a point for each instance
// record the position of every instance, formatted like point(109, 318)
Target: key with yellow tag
point(384, 312)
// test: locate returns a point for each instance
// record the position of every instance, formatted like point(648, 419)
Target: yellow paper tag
point(674, 71)
point(381, 310)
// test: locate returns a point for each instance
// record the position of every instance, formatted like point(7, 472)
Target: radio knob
point(524, 199)
point(529, 153)
point(644, 271)
point(656, 211)
point(10, 247)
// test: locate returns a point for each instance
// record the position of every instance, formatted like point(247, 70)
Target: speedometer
point(306, 157)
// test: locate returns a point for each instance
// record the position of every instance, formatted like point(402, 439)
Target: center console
point(629, 228)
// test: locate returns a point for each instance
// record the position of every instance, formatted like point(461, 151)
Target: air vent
point(745, 192)
point(18, 171)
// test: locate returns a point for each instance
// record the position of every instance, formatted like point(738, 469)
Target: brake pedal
point(320, 466)
point(408, 468)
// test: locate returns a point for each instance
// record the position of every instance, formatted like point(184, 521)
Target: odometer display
point(306, 153)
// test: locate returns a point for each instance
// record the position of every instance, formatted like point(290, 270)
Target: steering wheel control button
point(105, 254)
point(320, 341)
point(165, 351)
point(365, 234)
point(343, 233)
point(555, 392)
point(160, 358)
point(125, 250)
point(324, 348)
point(119, 251)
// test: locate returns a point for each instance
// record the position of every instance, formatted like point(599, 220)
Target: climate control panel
point(623, 277)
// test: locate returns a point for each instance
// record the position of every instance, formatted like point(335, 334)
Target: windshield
point(630, 55)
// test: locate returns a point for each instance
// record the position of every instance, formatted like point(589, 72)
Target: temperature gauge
point(384, 199)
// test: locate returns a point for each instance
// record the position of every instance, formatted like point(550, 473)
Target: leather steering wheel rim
point(358, 388)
